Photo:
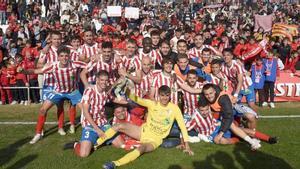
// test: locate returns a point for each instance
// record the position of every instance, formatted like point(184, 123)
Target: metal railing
point(25, 87)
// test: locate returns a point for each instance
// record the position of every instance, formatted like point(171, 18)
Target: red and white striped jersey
point(153, 54)
point(156, 56)
point(161, 79)
point(94, 67)
point(96, 100)
point(215, 80)
point(205, 126)
point(143, 89)
point(132, 64)
point(194, 52)
point(66, 79)
point(191, 100)
point(74, 54)
point(88, 51)
point(232, 73)
point(50, 57)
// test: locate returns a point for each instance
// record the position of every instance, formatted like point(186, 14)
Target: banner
point(114, 11)
point(131, 12)
point(214, 6)
point(287, 88)
point(264, 21)
point(285, 30)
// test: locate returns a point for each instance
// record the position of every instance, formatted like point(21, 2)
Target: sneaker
point(35, 139)
point(72, 129)
point(273, 140)
point(265, 104)
point(13, 102)
point(272, 105)
point(26, 103)
point(194, 139)
point(0, 102)
point(61, 132)
point(109, 165)
point(22, 102)
point(255, 144)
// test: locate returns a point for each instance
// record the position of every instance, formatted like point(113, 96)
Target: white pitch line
point(32, 122)
point(25, 122)
point(279, 116)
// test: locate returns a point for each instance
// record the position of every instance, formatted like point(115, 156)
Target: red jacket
point(239, 50)
point(30, 64)
point(11, 75)
point(21, 76)
point(4, 81)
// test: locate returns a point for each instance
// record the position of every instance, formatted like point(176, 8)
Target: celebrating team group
point(150, 91)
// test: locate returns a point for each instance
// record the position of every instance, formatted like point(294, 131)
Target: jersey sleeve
point(180, 122)
point(48, 68)
point(87, 95)
point(79, 64)
point(226, 112)
point(143, 102)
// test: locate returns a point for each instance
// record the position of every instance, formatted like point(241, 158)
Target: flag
point(264, 21)
point(285, 30)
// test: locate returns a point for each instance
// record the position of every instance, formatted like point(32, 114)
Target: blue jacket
point(258, 76)
point(271, 69)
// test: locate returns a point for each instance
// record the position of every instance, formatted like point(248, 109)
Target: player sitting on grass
point(222, 106)
point(207, 127)
point(65, 87)
point(160, 118)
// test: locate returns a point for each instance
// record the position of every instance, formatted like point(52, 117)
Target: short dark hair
point(106, 45)
point(181, 41)
point(192, 72)
point(164, 89)
point(164, 42)
point(167, 60)
point(181, 56)
point(208, 86)
point(216, 61)
point(154, 33)
point(229, 50)
point(206, 50)
point(132, 41)
point(55, 33)
point(63, 49)
point(101, 73)
point(202, 102)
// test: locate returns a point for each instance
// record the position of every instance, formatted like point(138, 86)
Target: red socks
point(77, 149)
point(261, 136)
point(234, 140)
point(72, 114)
point(40, 124)
point(60, 118)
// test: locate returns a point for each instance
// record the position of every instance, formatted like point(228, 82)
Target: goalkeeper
point(160, 118)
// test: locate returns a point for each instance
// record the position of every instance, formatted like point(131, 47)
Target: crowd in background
point(228, 26)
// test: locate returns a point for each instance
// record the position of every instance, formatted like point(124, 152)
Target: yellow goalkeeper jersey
point(161, 118)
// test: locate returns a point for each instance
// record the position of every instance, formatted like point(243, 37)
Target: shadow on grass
point(23, 162)
point(9, 152)
point(256, 159)
point(246, 158)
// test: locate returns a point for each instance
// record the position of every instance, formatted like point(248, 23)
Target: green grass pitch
point(16, 152)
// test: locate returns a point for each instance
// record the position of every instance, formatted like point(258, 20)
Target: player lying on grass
point(65, 87)
point(207, 128)
point(160, 118)
point(222, 106)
